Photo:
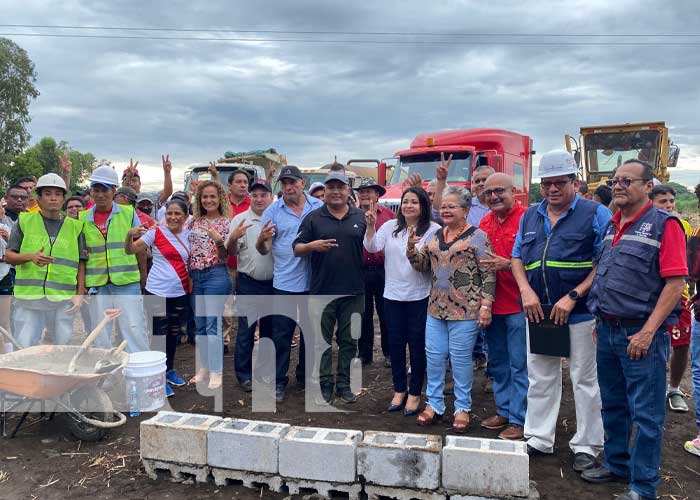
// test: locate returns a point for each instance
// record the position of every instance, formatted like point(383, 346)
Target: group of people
point(563, 278)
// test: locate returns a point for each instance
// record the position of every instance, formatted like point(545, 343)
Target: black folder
point(549, 339)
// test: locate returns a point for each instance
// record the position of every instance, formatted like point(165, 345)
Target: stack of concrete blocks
point(403, 466)
point(176, 442)
point(383, 464)
point(318, 459)
point(485, 467)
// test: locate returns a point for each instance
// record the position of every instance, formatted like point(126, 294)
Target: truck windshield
point(606, 151)
point(425, 165)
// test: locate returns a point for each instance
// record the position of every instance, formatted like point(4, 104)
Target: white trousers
point(544, 395)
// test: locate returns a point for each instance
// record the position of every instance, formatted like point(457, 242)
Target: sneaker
point(693, 447)
point(169, 391)
point(174, 379)
point(676, 401)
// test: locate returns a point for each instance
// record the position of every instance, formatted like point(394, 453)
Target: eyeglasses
point(624, 182)
point(19, 196)
point(497, 191)
point(558, 184)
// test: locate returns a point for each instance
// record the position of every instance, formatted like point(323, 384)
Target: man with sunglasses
point(17, 198)
point(639, 279)
point(552, 263)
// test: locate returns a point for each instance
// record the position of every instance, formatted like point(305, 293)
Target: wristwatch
point(573, 294)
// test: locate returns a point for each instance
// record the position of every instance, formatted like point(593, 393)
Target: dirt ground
point(44, 462)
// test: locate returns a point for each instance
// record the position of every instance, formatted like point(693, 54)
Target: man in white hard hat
point(112, 276)
point(553, 255)
point(49, 252)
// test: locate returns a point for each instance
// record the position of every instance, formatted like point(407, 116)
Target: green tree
point(43, 158)
point(535, 194)
point(17, 78)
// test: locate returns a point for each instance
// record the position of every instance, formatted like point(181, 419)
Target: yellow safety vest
point(56, 281)
point(107, 260)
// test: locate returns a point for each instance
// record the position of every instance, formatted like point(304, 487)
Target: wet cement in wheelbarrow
point(55, 361)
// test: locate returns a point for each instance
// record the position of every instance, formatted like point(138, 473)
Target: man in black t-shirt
point(332, 236)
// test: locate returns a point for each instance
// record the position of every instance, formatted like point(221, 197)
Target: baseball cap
point(134, 173)
point(369, 182)
point(316, 186)
point(143, 197)
point(290, 172)
point(259, 184)
point(337, 176)
point(128, 192)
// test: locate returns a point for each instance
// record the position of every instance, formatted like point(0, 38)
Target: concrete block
point(400, 460)
point(224, 477)
point(485, 467)
point(319, 454)
point(178, 472)
point(246, 445)
point(377, 492)
point(323, 488)
point(176, 437)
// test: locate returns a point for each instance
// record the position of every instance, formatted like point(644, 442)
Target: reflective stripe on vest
point(561, 264)
point(56, 281)
point(108, 262)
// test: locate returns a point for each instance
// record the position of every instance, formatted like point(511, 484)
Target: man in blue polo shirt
point(280, 225)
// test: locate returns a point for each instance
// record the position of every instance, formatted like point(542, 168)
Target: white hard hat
point(104, 175)
point(51, 180)
point(556, 163)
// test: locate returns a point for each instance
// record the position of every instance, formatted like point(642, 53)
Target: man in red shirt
point(368, 194)
point(636, 291)
point(506, 335)
point(239, 200)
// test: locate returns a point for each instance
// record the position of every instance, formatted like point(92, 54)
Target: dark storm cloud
point(196, 99)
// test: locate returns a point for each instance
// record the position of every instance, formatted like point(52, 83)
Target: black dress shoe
point(532, 451)
point(583, 461)
point(392, 407)
point(600, 474)
point(632, 495)
point(246, 385)
point(347, 395)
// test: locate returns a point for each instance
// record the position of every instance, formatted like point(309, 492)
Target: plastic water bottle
point(133, 400)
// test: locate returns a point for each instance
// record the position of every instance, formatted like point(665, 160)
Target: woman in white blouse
point(405, 293)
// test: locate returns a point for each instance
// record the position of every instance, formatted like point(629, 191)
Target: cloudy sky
point(195, 99)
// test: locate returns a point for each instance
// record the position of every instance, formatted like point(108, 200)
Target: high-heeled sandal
point(425, 418)
point(460, 425)
point(409, 412)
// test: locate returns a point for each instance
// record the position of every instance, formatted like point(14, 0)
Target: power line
point(372, 33)
point(343, 41)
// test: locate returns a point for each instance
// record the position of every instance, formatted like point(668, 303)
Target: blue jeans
point(456, 339)
point(132, 320)
point(245, 339)
point(30, 322)
point(695, 367)
point(213, 281)
point(507, 343)
point(405, 322)
point(281, 334)
point(633, 393)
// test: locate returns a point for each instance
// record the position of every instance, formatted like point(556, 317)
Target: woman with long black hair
point(405, 293)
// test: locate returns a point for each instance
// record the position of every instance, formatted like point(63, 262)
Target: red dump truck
point(505, 151)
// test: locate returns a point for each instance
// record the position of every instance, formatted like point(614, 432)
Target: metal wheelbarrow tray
point(40, 373)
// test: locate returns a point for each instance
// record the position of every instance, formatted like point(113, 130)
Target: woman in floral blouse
point(209, 229)
point(461, 295)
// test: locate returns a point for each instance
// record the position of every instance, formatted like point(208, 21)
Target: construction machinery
point(601, 149)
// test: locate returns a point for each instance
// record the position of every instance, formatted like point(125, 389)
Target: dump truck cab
point(503, 150)
point(601, 149)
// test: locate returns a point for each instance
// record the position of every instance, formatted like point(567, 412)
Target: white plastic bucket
point(146, 371)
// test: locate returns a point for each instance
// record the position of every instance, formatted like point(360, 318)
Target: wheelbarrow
point(67, 379)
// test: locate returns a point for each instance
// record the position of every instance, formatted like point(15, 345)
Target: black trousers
point(374, 297)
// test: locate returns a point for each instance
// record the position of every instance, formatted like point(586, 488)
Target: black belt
point(622, 322)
